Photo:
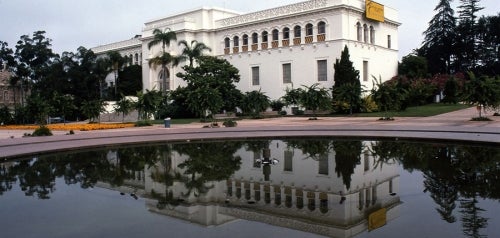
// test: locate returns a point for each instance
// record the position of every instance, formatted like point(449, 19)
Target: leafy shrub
point(230, 123)
point(42, 131)
point(277, 105)
point(142, 123)
point(368, 104)
point(299, 112)
point(480, 119)
point(283, 113)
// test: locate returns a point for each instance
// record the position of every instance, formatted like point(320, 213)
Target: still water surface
point(292, 187)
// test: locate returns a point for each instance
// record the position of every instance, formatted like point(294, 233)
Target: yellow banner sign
point(374, 11)
point(377, 219)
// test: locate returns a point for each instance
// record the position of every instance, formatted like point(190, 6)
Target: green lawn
point(420, 111)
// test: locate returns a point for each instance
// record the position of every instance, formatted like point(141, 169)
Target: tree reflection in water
point(454, 175)
point(207, 162)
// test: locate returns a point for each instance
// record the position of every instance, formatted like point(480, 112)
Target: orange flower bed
point(67, 127)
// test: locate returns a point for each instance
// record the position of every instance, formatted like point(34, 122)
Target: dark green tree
point(6, 117)
point(124, 106)
point(205, 99)
point(130, 80)
point(37, 109)
point(386, 95)
point(451, 91)
point(217, 74)
point(346, 74)
point(438, 45)
point(482, 91)
point(467, 37)
point(489, 39)
point(33, 56)
point(62, 105)
point(7, 59)
point(93, 109)
point(315, 98)
point(255, 102)
point(413, 67)
point(147, 104)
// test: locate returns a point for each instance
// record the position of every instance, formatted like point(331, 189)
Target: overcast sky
point(89, 23)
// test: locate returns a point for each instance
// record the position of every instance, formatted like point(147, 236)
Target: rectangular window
point(287, 73)
point(365, 71)
point(255, 76)
point(389, 41)
point(288, 161)
point(323, 165)
point(367, 161)
point(322, 70)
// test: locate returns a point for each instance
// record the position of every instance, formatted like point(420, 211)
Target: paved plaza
point(454, 126)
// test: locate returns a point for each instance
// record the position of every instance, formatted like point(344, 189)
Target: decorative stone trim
point(275, 12)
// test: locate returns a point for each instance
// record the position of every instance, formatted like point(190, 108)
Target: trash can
point(167, 122)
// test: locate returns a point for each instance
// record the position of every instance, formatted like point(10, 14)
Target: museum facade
point(278, 48)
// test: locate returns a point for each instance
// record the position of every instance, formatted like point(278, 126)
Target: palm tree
point(116, 61)
point(193, 51)
point(164, 59)
point(163, 38)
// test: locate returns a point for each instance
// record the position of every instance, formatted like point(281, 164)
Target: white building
point(287, 46)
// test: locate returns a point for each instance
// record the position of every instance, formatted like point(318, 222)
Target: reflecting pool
point(291, 187)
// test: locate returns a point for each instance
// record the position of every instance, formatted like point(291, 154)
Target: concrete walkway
point(455, 126)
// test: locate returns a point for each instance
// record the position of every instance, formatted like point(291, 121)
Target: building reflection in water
point(284, 183)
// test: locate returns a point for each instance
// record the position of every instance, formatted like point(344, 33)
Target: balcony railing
point(321, 37)
point(285, 42)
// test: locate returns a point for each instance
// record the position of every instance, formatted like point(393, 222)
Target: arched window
point(286, 33)
point(297, 31)
point(236, 44)
point(321, 27)
point(236, 41)
point(275, 34)
point(372, 35)
point(309, 29)
point(164, 80)
point(136, 58)
point(360, 31)
point(255, 38)
point(264, 36)
point(365, 33)
point(227, 43)
point(245, 40)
